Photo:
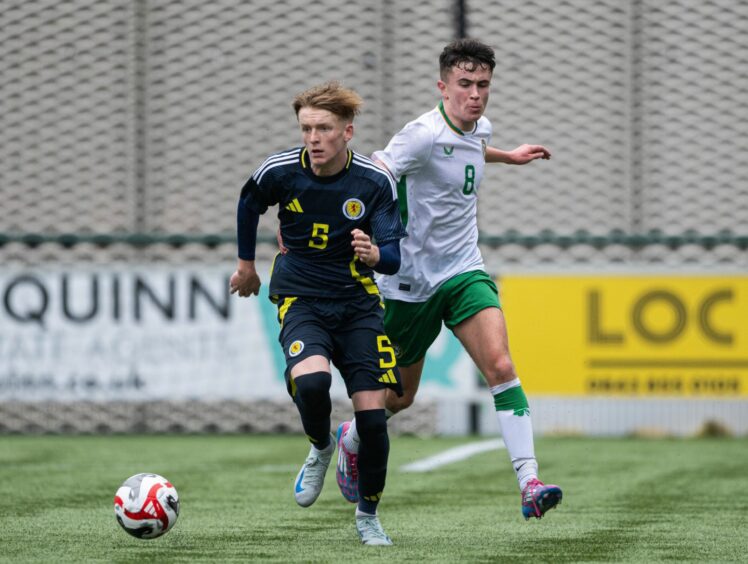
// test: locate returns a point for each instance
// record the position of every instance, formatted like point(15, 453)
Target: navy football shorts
point(349, 333)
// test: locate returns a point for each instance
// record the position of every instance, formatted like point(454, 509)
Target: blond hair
point(331, 96)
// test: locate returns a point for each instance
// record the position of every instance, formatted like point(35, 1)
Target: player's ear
point(442, 86)
point(348, 132)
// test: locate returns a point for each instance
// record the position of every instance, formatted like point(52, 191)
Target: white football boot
point(370, 531)
point(311, 477)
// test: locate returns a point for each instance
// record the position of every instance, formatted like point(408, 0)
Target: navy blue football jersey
point(317, 215)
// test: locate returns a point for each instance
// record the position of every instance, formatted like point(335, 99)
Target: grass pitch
point(640, 500)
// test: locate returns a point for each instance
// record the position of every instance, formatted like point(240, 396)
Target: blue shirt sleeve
point(389, 257)
point(246, 230)
point(386, 223)
point(254, 200)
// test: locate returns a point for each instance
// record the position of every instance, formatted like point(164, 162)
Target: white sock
point(526, 470)
point(351, 439)
point(516, 429)
point(360, 513)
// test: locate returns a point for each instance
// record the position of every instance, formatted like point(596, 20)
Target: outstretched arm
point(519, 156)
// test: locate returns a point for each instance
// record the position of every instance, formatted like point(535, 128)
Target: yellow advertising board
point(682, 336)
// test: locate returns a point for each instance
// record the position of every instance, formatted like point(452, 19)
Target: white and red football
point(146, 505)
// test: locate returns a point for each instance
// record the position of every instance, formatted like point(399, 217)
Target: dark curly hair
point(468, 52)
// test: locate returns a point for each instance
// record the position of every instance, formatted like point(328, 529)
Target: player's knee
point(398, 403)
point(313, 389)
point(501, 370)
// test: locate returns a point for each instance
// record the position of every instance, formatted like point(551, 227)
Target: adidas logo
point(375, 497)
point(388, 377)
point(295, 206)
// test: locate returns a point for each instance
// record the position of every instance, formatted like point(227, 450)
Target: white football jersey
point(438, 168)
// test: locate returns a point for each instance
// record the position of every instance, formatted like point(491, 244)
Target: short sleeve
point(489, 127)
point(408, 150)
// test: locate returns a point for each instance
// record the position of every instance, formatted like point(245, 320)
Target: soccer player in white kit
point(438, 160)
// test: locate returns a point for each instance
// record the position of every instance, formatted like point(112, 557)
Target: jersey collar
point(451, 125)
point(307, 166)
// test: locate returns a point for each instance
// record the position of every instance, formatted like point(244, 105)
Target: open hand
point(526, 153)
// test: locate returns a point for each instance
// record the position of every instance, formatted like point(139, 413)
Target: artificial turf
point(625, 499)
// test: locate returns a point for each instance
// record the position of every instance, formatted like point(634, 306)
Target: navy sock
point(373, 453)
point(312, 398)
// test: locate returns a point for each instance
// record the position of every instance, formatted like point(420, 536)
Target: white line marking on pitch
point(452, 455)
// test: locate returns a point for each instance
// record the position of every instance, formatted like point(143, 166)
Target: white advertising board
point(151, 333)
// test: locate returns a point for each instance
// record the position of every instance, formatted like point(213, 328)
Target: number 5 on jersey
point(319, 235)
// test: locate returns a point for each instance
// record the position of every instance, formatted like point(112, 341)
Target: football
point(146, 505)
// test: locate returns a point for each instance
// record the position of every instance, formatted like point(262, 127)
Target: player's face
point(326, 139)
point(465, 92)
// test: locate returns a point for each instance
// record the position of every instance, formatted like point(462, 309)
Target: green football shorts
point(413, 327)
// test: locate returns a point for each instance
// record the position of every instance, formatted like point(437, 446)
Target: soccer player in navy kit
point(340, 222)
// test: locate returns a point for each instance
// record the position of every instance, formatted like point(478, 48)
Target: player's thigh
point(474, 315)
point(484, 337)
point(365, 400)
point(411, 377)
point(363, 353)
point(314, 363)
point(306, 341)
point(412, 328)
